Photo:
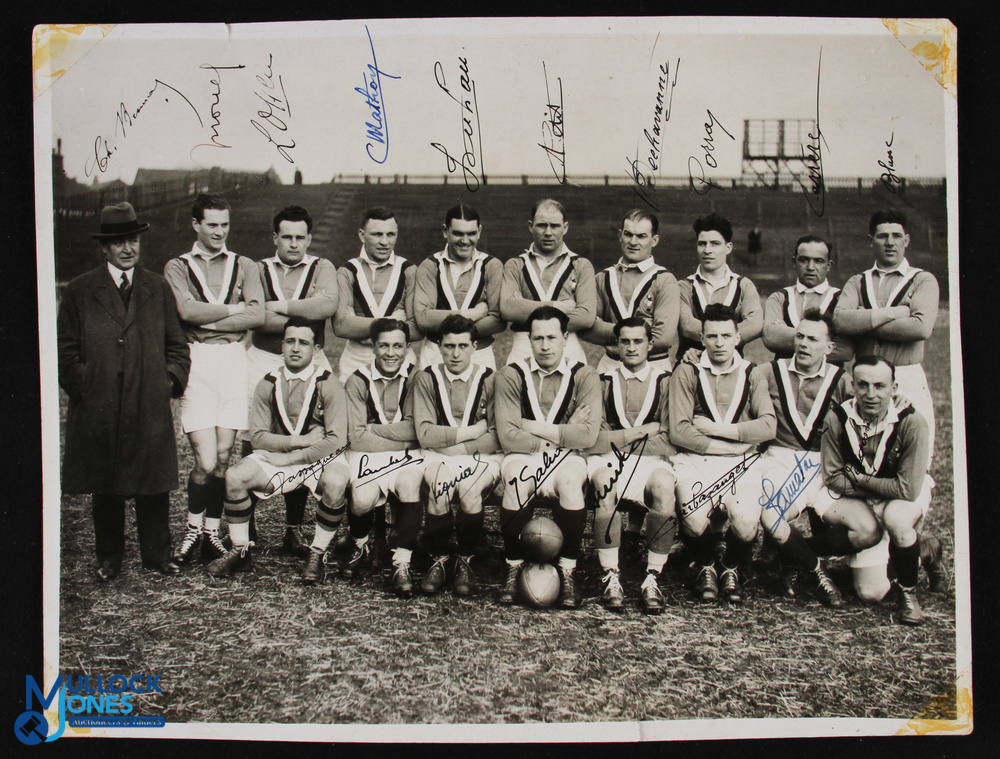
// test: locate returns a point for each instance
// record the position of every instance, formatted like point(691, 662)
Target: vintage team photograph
point(474, 380)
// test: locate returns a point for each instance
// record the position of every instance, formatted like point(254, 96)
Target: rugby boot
point(729, 585)
point(465, 581)
point(293, 543)
point(236, 559)
point(613, 597)
point(652, 597)
point(827, 591)
point(930, 559)
point(910, 612)
point(190, 543)
point(435, 578)
point(509, 592)
point(315, 568)
point(706, 585)
point(568, 598)
point(211, 546)
point(352, 567)
point(402, 581)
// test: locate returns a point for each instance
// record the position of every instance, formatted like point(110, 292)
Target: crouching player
point(802, 389)
point(719, 411)
point(547, 411)
point(456, 429)
point(298, 428)
point(385, 456)
point(629, 465)
point(875, 456)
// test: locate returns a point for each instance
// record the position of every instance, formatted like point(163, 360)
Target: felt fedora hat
point(119, 221)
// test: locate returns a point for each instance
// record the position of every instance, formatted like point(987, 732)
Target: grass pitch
point(261, 648)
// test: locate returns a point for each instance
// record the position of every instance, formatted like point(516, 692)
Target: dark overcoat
point(120, 369)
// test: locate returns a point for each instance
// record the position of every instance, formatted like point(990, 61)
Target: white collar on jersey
point(276, 259)
point(903, 268)
point(706, 363)
point(544, 261)
point(477, 255)
point(730, 274)
point(819, 289)
point(303, 375)
point(794, 367)
point(404, 370)
point(891, 416)
point(464, 376)
point(197, 250)
point(644, 265)
point(642, 375)
point(562, 367)
point(363, 255)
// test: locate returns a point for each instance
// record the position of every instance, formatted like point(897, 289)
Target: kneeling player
point(802, 389)
point(629, 462)
point(453, 415)
point(298, 430)
point(547, 410)
point(875, 458)
point(385, 457)
point(719, 411)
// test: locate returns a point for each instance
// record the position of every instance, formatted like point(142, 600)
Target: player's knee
point(661, 488)
point(871, 586)
point(866, 538)
point(333, 483)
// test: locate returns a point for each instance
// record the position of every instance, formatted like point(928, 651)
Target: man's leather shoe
point(168, 567)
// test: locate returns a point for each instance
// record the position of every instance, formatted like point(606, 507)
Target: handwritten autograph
point(279, 478)
point(271, 102)
point(444, 488)
point(708, 147)
point(124, 119)
point(795, 484)
point(642, 179)
point(392, 465)
point(720, 486)
point(472, 141)
point(635, 449)
point(812, 156)
point(378, 127)
point(553, 130)
point(214, 141)
point(889, 177)
point(549, 463)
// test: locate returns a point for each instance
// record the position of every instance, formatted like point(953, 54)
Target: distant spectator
point(754, 243)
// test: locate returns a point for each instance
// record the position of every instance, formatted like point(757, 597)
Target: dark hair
point(456, 324)
point(815, 315)
point(301, 321)
point(548, 202)
point(544, 313)
point(813, 238)
point(380, 326)
point(719, 312)
point(293, 213)
point(205, 202)
point(639, 214)
point(714, 223)
point(379, 213)
point(633, 321)
point(463, 212)
point(873, 360)
point(888, 216)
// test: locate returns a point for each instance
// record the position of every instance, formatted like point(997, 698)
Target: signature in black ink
point(652, 145)
point(889, 177)
point(635, 449)
point(717, 488)
point(216, 112)
point(471, 162)
point(124, 119)
point(378, 127)
point(708, 147)
point(393, 464)
point(549, 463)
point(279, 479)
point(553, 132)
point(795, 484)
point(272, 103)
point(812, 156)
point(444, 488)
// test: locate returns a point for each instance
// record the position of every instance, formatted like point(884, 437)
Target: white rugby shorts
point(216, 391)
point(635, 473)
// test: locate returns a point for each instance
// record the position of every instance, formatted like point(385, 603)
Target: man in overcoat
point(122, 356)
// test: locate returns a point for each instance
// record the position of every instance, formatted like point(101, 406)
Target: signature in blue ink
point(812, 157)
point(273, 102)
point(393, 464)
point(216, 112)
point(279, 479)
point(124, 119)
point(553, 133)
point(549, 463)
point(472, 141)
point(720, 486)
point(444, 488)
point(795, 483)
point(378, 127)
point(699, 184)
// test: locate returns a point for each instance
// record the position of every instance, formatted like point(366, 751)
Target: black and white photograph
point(500, 380)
